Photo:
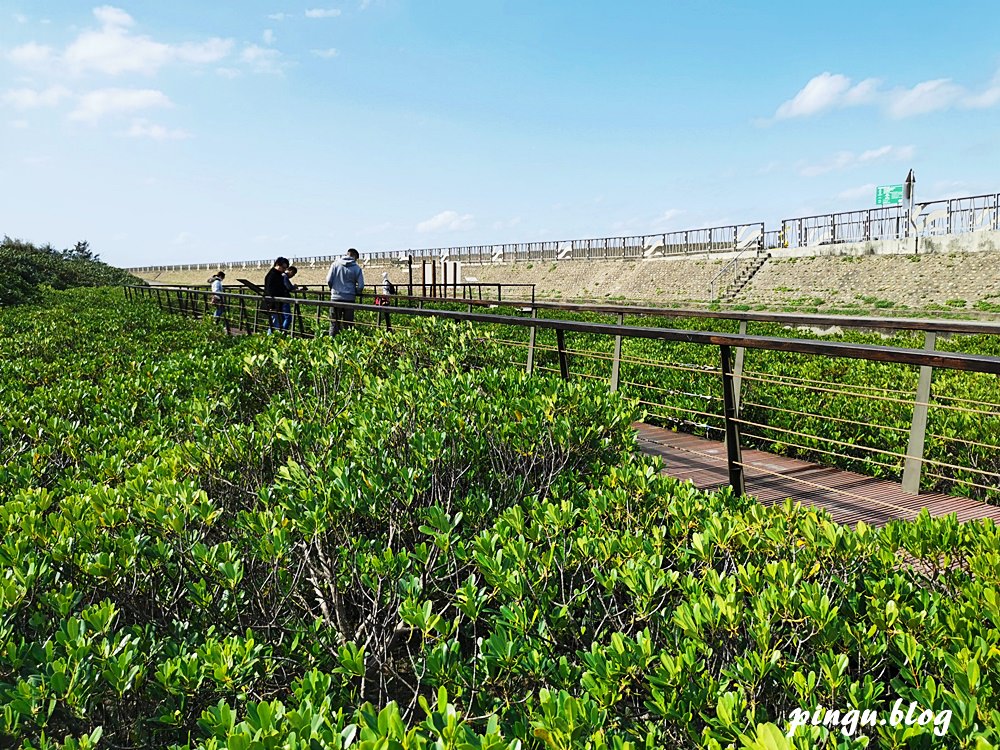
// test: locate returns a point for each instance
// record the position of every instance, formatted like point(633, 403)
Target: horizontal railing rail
point(791, 320)
point(796, 428)
point(955, 361)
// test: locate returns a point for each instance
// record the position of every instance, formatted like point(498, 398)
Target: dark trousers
point(341, 318)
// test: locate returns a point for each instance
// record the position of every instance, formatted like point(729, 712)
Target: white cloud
point(22, 99)
point(30, 55)
point(848, 159)
point(113, 50)
point(19, 124)
point(203, 53)
point(229, 73)
point(322, 13)
point(929, 96)
point(832, 90)
point(113, 17)
point(96, 104)
point(826, 91)
point(988, 98)
point(268, 36)
point(20, 18)
point(278, 16)
point(449, 221)
point(364, 4)
point(146, 129)
point(326, 54)
point(262, 59)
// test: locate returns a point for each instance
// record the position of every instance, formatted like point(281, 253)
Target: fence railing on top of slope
point(931, 218)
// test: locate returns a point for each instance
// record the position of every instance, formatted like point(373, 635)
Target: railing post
point(918, 427)
point(616, 362)
point(531, 343)
point(297, 322)
point(561, 345)
point(734, 456)
point(738, 370)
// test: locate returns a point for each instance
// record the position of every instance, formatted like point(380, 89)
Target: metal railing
point(727, 277)
point(712, 240)
point(930, 219)
point(903, 420)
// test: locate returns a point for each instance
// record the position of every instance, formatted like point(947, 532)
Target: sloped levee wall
point(954, 281)
point(661, 281)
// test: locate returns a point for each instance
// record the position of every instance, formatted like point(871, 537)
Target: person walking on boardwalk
point(290, 288)
point(346, 281)
point(274, 288)
point(216, 298)
point(385, 298)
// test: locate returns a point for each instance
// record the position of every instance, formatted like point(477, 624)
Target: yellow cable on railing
point(816, 437)
point(824, 417)
point(896, 468)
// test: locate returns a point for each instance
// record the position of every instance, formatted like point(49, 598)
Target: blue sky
point(192, 131)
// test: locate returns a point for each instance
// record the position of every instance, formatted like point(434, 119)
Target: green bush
point(29, 269)
point(211, 542)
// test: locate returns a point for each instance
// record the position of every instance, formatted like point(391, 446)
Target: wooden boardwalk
point(847, 496)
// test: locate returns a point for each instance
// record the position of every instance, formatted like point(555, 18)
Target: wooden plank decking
point(847, 496)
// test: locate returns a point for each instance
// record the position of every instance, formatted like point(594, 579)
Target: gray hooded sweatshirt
point(345, 279)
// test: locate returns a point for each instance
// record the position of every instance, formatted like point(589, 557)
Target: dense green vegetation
point(849, 413)
point(389, 541)
point(29, 269)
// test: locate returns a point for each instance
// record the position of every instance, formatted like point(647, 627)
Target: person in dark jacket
point(290, 288)
point(346, 281)
point(274, 287)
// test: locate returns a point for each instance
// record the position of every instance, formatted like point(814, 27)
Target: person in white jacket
point(346, 281)
point(216, 299)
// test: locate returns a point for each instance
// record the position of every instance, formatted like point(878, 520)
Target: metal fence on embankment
point(951, 216)
point(931, 219)
point(688, 242)
point(922, 407)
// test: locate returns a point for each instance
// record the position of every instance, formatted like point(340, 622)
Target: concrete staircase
point(744, 274)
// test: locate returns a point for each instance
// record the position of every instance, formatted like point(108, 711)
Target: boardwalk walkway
point(847, 496)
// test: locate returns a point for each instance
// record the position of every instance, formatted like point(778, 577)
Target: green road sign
point(888, 195)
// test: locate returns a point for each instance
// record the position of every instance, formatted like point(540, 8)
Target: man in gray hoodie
point(346, 281)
